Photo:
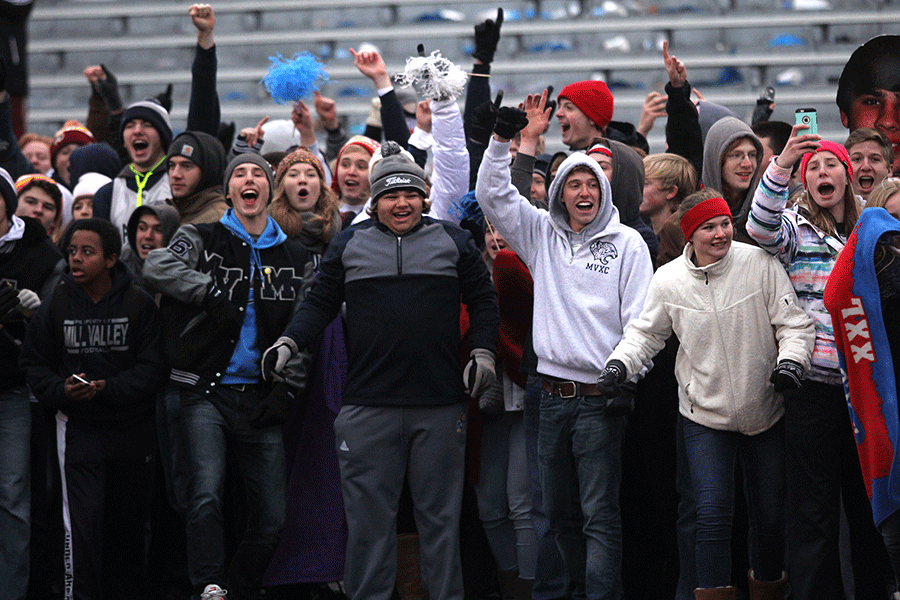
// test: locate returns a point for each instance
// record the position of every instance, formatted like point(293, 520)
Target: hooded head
point(94, 158)
point(719, 139)
point(8, 193)
point(606, 214)
point(203, 150)
point(169, 221)
point(34, 202)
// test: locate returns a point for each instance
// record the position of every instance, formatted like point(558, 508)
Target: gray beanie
point(256, 159)
point(395, 171)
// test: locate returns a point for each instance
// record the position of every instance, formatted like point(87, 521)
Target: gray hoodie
point(588, 285)
point(722, 133)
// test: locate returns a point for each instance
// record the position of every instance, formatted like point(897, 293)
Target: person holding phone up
point(821, 464)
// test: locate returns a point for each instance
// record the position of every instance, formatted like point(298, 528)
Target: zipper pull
point(268, 272)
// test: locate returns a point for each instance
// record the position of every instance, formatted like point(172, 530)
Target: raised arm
point(204, 112)
point(767, 223)
point(683, 134)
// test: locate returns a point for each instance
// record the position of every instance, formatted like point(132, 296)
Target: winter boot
point(766, 590)
point(717, 593)
point(409, 577)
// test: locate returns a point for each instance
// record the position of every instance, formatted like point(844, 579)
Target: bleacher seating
point(150, 44)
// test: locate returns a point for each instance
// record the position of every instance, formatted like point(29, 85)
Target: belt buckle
point(563, 384)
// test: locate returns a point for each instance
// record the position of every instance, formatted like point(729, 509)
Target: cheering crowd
point(433, 361)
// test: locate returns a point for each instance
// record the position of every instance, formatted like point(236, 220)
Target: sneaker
point(213, 592)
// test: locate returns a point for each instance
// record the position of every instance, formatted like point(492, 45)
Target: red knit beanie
point(367, 144)
point(72, 132)
point(837, 150)
point(593, 98)
point(703, 212)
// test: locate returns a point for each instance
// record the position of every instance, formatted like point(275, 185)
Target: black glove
point(483, 118)
point(276, 357)
point(487, 35)
point(272, 410)
point(763, 109)
point(165, 98)
point(9, 299)
point(611, 378)
point(551, 103)
point(788, 375)
point(108, 88)
point(510, 121)
point(217, 306)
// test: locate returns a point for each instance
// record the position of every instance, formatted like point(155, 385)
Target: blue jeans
point(579, 450)
point(550, 573)
point(15, 491)
point(711, 455)
point(215, 426)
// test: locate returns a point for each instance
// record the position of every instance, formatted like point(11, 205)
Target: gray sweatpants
point(376, 446)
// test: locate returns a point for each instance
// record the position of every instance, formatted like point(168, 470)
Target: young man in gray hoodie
point(591, 274)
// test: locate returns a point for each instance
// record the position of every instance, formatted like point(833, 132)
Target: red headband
point(599, 149)
point(703, 212)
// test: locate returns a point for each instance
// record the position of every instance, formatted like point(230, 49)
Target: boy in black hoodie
point(93, 352)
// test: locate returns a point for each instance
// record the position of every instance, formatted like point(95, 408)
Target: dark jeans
point(822, 466)
point(711, 457)
point(15, 491)
point(550, 571)
point(579, 449)
point(216, 429)
point(890, 532)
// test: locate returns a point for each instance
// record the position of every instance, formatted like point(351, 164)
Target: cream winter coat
point(735, 319)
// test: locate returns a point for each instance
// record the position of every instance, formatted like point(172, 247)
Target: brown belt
point(570, 389)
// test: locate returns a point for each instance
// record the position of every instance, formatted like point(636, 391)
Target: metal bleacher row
point(148, 45)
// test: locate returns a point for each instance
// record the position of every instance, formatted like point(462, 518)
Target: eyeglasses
point(740, 156)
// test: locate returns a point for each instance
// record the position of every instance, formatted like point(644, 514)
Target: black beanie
point(8, 191)
point(395, 171)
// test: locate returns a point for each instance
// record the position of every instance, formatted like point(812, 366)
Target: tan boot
point(766, 590)
point(718, 593)
point(409, 577)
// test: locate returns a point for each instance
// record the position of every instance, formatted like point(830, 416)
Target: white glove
point(28, 302)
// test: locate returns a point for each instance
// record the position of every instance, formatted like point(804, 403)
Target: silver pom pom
point(434, 77)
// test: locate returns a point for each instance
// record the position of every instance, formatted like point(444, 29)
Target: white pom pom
point(435, 77)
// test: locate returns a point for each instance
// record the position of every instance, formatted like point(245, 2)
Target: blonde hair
point(672, 171)
point(881, 194)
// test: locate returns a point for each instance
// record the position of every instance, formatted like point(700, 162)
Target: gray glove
point(275, 358)
point(28, 302)
point(479, 374)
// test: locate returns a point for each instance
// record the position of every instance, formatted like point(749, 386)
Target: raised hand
point(372, 66)
point(674, 68)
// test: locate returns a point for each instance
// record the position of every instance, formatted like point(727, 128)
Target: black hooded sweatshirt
point(116, 339)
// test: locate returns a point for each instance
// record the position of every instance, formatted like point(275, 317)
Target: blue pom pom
point(467, 207)
point(295, 79)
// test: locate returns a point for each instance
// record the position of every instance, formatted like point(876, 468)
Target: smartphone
point(807, 116)
point(81, 379)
